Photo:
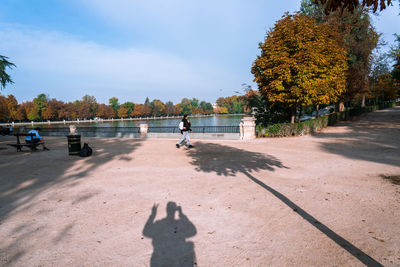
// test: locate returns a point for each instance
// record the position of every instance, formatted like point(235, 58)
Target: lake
point(216, 120)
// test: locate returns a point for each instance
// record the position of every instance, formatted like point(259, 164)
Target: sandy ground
point(325, 200)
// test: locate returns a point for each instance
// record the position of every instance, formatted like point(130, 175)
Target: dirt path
point(329, 199)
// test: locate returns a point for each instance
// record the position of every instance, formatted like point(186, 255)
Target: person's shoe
point(45, 148)
point(178, 146)
point(190, 146)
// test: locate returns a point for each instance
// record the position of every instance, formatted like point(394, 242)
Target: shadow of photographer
point(168, 235)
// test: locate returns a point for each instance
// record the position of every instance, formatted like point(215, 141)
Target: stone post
point(248, 128)
point(143, 129)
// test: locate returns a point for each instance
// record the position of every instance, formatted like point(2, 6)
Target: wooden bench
point(20, 145)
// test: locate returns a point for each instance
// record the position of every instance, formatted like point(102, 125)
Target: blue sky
point(133, 49)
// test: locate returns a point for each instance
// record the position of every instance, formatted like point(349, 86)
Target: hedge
point(314, 125)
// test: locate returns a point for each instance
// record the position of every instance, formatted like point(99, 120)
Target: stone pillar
point(143, 129)
point(248, 128)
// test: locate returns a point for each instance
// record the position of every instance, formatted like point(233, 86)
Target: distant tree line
point(44, 108)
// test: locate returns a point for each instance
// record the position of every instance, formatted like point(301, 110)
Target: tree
point(40, 105)
point(139, 110)
point(122, 112)
point(169, 108)
point(4, 77)
point(360, 39)
point(12, 107)
point(394, 54)
point(105, 111)
point(396, 71)
point(221, 110)
point(3, 108)
point(264, 111)
point(301, 63)
point(186, 107)
point(157, 108)
point(351, 5)
point(92, 103)
point(386, 87)
point(233, 104)
point(52, 109)
point(30, 110)
point(206, 107)
point(129, 107)
point(113, 102)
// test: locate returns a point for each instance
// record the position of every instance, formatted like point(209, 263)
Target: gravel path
point(331, 199)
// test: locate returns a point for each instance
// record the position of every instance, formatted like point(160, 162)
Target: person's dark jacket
point(187, 125)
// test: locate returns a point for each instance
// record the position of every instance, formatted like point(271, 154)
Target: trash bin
point(74, 145)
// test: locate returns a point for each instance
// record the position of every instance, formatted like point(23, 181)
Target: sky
point(131, 49)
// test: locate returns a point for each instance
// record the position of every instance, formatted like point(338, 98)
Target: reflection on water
point(220, 120)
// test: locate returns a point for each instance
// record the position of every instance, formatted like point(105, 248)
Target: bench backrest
point(25, 134)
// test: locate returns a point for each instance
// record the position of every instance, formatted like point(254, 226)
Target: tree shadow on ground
point(25, 175)
point(373, 137)
point(229, 161)
point(168, 235)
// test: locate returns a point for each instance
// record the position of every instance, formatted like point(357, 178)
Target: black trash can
point(74, 145)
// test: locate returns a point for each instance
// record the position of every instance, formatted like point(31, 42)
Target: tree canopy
point(4, 77)
point(351, 5)
point(301, 63)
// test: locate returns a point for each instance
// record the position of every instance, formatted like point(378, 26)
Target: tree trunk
point(293, 115)
point(316, 111)
point(300, 113)
point(347, 107)
point(363, 101)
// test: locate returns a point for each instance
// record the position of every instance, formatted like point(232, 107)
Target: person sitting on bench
point(36, 139)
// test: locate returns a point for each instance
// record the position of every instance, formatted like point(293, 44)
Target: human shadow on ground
point(25, 175)
point(228, 161)
point(169, 238)
point(373, 137)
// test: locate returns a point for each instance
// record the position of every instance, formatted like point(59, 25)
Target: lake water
point(216, 120)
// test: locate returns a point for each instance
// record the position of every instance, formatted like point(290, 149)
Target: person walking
point(185, 132)
point(37, 139)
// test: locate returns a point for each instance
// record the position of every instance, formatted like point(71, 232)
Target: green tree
point(113, 102)
point(40, 105)
point(129, 106)
point(4, 77)
point(394, 54)
point(301, 63)
point(185, 105)
point(351, 5)
point(147, 102)
point(206, 107)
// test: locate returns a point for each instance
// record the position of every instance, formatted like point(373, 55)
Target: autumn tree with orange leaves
point(302, 63)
